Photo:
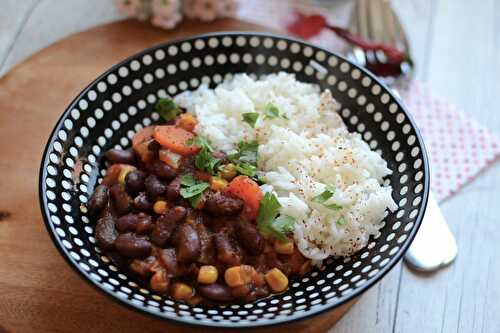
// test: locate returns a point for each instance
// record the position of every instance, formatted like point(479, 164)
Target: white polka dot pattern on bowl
point(120, 103)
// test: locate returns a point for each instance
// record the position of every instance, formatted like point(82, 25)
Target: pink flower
point(140, 9)
point(227, 8)
point(205, 10)
point(165, 7)
point(166, 22)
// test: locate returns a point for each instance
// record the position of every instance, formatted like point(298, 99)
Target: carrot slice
point(247, 190)
point(143, 135)
point(176, 139)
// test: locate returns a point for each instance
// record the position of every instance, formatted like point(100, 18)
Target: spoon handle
point(434, 245)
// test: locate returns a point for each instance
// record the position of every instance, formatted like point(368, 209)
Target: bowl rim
point(232, 325)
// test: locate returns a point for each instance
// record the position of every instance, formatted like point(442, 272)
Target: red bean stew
point(187, 219)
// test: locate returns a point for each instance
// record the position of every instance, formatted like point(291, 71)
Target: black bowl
point(108, 112)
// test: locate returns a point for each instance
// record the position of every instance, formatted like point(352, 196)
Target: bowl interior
point(109, 111)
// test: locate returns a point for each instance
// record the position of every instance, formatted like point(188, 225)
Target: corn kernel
point(276, 280)
point(239, 275)
point(232, 276)
point(181, 291)
point(124, 171)
point(228, 171)
point(160, 207)
point(218, 184)
point(187, 121)
point(283, 247)
point(207, 274)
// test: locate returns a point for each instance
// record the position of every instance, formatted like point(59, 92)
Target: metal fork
point(434, 245)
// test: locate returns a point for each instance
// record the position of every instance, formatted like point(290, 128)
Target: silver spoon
point(434, 245)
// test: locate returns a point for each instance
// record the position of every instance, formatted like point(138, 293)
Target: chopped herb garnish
point(188, 180)
point(341, 221)
point(324, 196)
point(192, 189)
point(267, 221)
point(204, 161)
point(201, 142)
point(246, 169)
point(250, 118)
point(247, 152)
point(271, 111)
point(167, 109)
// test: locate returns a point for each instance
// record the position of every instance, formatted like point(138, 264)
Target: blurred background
point(455, 46)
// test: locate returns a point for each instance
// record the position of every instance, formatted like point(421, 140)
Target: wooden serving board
point(38, 291)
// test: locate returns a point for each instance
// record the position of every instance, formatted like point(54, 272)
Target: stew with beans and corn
point(192, 221)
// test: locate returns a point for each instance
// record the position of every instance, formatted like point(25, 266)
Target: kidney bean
point(174, 188)
point(142, 267)
point(142, 202)
point(127, 223)
point(115, 156)
point(134, 181)
point(166, 224)
point(249, 237)
point(131, 246)
point(218, 203)
point(241, 291)
point(105, 232)
point(160, 282)
point(134, 222)
point(187, 243)
point(121, 200)
point(145, 223)
point(154, 186)
point(169, 261)
point(98, 200)
point(162, 170)
point(216, 292)
point(227, 251)
point(207, 252)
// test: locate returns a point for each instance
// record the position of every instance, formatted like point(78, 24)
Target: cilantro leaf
point(204, 161)
point(250, 118)
point(282, 226)
point(247, 151)
point(167, 109)
point(271, 111)
point(324, 196)
point(246, 169)
point(193, 190)
point(341, 221)
point(201, 142)
point(268, 224)
point(188, 180)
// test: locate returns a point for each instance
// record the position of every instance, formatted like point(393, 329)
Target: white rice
point(299, 156)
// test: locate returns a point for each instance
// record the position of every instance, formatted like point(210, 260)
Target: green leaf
point(271, 111)
point(282, 226)
point(325, 195)
point(268, 223)
point(204, 161)
point(341, 221)
point(248, 151)
point(194, 190)
point(201, 142)
point(195, 200)
point(246, 169)
point(188, 180)
point(250, 118)
point(167, 109)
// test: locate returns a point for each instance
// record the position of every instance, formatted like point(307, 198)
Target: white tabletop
point(456, 46)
